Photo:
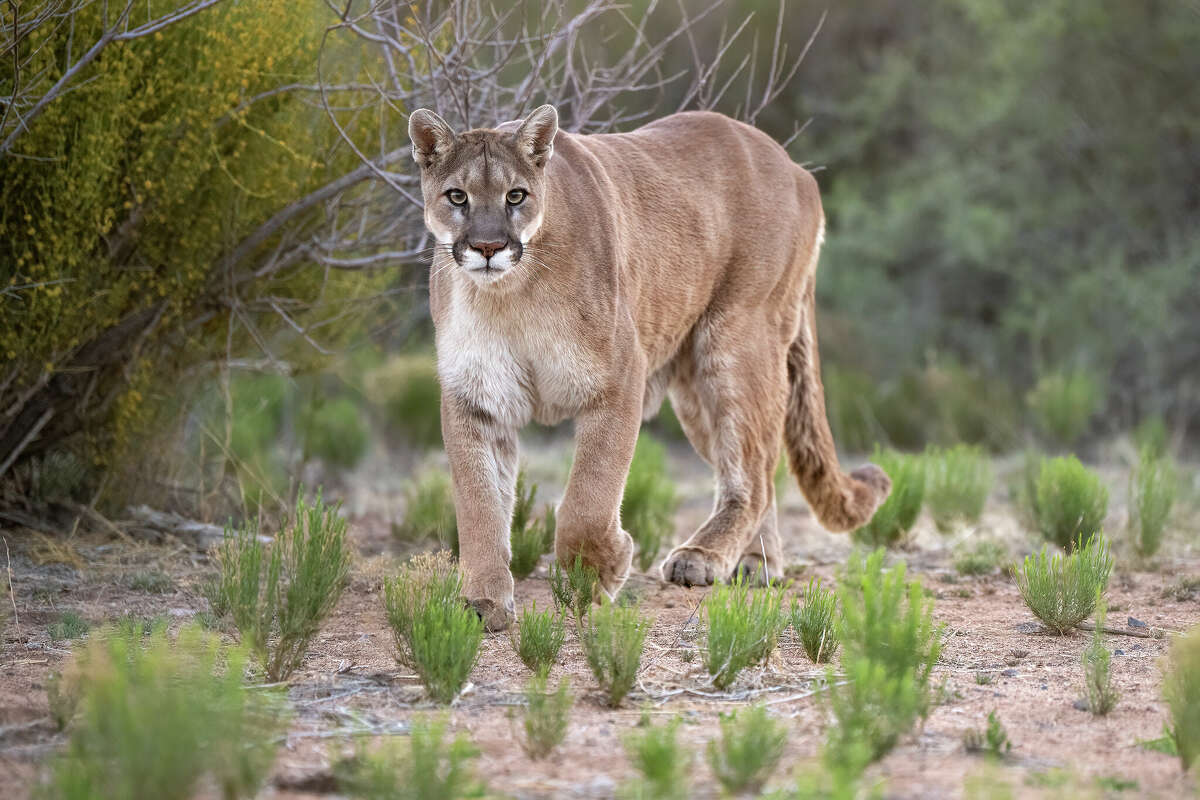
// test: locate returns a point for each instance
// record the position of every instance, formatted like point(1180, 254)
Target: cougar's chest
point(514, 363)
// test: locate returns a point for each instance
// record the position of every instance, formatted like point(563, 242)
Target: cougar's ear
point(431, 136)
point(536, 134)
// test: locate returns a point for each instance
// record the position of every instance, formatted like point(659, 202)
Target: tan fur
point(679, 258)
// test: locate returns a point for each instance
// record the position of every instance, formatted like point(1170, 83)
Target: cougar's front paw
point(496, 615)
point(693, 566)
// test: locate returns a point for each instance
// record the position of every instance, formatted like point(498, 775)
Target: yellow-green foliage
point(144, 174)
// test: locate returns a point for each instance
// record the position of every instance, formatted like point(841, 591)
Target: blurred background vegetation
point(212, 282)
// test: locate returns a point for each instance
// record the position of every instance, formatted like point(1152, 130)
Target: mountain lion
point(587, 276)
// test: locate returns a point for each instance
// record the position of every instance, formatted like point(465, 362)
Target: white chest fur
point(514, 362)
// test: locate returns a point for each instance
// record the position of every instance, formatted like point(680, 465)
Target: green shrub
point(539, 638)
point(160, 721)
point(814, 622)
point(958, 481)
point(133, 627)
point(424, 768)
point(1071, 501)
point(69, 625)
point(1063, 404)
point(407, 392)
point(1181, 690)
point(894, 519)
point(612, 638)
point(429, 511)
point(1152, 489)
point(1023, 489)
point(661, 761)
point(993, 741)
point(152, 581)
point(1061, 590)
point(333, 430)
point(279, 594)
point(741, 627)
point(649, 503)
point(531, 538)
point(981, 557)
point(546, 716)
point(1151, 436)
point(436, 634)
point(574, 587)
point(889, 648)
point(1099, 693)
point(750, 748)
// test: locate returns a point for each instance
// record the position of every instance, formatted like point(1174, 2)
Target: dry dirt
point(351, 683)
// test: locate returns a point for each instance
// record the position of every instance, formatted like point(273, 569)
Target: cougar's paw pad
point(496, 615)
point(691, 568)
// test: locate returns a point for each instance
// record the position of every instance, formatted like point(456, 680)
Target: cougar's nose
point(489, 249)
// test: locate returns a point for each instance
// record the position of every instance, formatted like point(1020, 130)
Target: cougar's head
point(484, 190)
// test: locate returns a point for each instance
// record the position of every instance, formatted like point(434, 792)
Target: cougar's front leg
point(483, 464)
point(589, 523)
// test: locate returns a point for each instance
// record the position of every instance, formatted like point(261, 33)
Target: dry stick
point(1156, 633)
point(11, 595)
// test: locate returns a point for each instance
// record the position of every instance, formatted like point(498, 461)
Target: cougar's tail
point(841, 501)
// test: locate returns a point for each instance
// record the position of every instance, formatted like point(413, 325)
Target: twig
point(12, 595)
point(1154, 633)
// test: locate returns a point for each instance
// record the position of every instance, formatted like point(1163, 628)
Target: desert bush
point(741, 626)
point(546, 716)
point(425, 767)
point(894, 519)
point(69, 625)
point(158, 721)
point(530, 538)
point(1151, 436)
point(429, 511)
point(540, 636)
point(992, 741)
point(749, 750)
point(406, 390)
point(1152, 489)
point(153, 581)
point(814, 621)
point(661, 761)
point(1062, 590)
point(1071, 501)
point(425, 579)
point(1063, 404)
point(649, 503)
point(1099, 693)
point(132, 626)
point(980, 557)
point(573, 587)
point(1181, 690)
point(889, 647)
point(612, 638)
point(333, 430)
point(278, 594)
point(958, 481)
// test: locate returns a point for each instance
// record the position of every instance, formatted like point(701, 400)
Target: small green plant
point(661, 761)
point(436, 634)
point(984, 678)
point(958, 481)
point(814, 621)
point(1099, 693)
point(894, 519)
point(133, 627)
point(1062, 591)
point(889, 647)
point(1071, 501)
point(993, 741)
point(424, 768)
point(530, 538)
point(1164, 744)
point(540, 636)
point(333, 430)
point(429, 511)
point(406, 390)
point(573, 587)
point(1063, 404)
point(749, 750)
point(152, 581)
point(157, 720)
point(1151, 436)
point(279, 594)
point(1181, 690)
point(982, 557)
point(613, 637)
point(546, 716)
point(1152, 488)
point(69, 625)
point(649, 503)
point(741, 628)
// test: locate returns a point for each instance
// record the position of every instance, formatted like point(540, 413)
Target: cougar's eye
point(457, 197)
point(516, 196)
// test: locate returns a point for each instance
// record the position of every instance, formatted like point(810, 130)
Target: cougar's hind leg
point(738, 378)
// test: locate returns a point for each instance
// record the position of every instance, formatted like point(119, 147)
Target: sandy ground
point(350, 682)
